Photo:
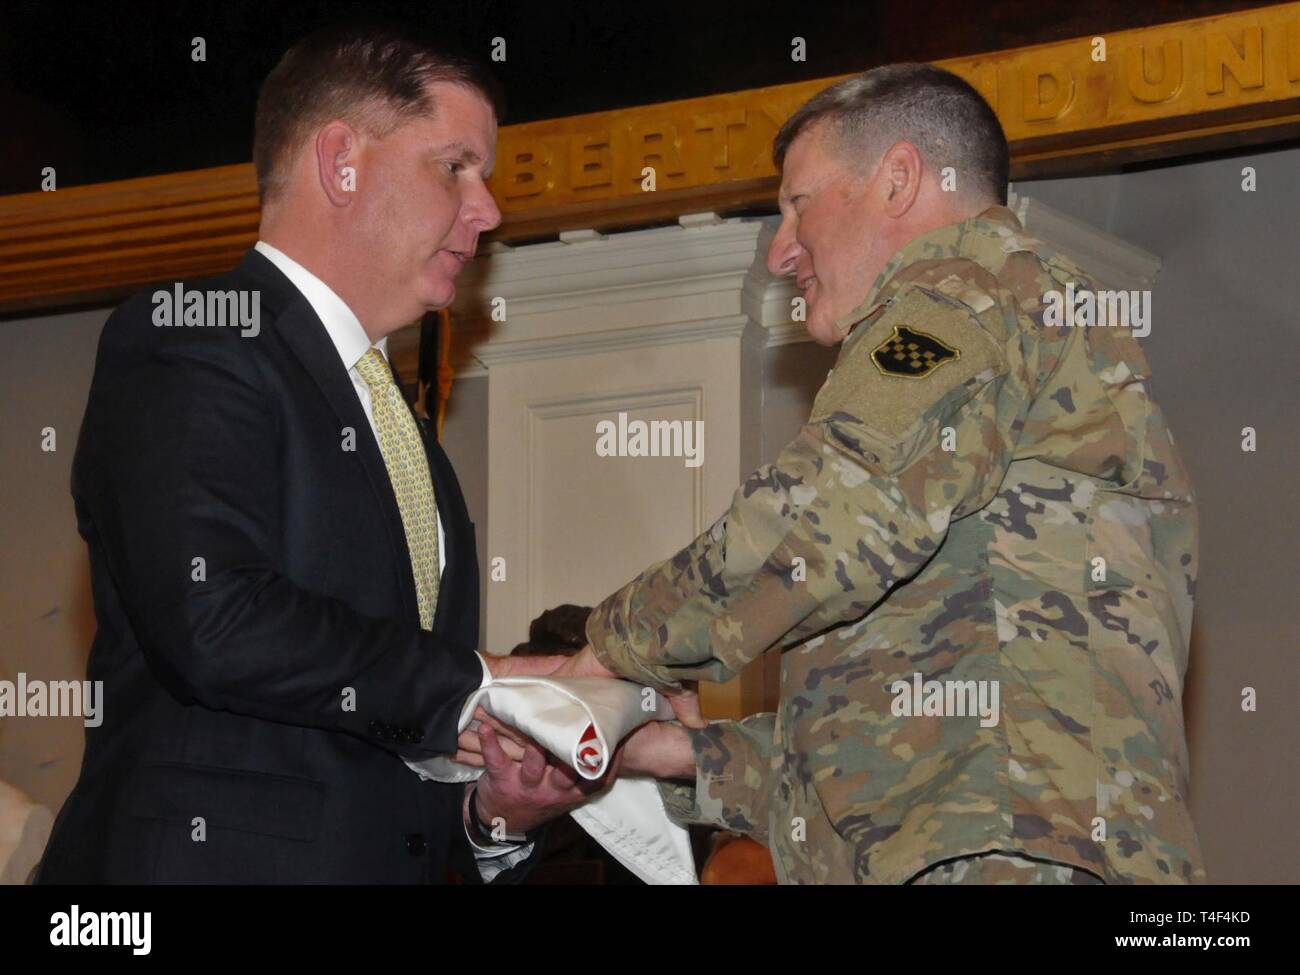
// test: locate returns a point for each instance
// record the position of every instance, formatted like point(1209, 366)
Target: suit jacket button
point(415, 844)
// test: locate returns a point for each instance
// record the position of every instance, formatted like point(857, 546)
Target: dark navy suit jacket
point(264, 670)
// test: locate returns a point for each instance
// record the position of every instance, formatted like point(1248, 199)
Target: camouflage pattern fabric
point(946, 514)
point(1000, 868)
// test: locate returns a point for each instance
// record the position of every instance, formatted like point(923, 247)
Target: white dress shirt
point(352, 342)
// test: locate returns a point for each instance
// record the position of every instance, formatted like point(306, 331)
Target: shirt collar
point(341, 323)
point(948, 241)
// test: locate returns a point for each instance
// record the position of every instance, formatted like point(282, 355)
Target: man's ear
point(900, 167)
point(336, 162)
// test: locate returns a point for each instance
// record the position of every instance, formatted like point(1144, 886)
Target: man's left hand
point(530, 792)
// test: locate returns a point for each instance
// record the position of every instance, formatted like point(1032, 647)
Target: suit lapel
point(304, 333)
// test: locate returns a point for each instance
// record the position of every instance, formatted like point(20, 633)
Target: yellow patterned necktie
point(408, 470)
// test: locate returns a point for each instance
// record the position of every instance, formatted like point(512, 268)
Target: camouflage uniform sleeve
point(895, 449)
point(732, 761)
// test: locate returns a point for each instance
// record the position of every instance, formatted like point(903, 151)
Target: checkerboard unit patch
point(912, 353)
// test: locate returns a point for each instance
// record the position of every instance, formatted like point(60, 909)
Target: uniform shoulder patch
point(911, 352)
point(895, 369)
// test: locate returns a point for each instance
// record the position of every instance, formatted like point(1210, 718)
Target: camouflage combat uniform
point(944, 512)
point(1002, 868)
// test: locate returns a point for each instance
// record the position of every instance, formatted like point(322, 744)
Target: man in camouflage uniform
point(978, 496)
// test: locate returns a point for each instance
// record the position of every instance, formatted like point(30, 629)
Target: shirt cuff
point(492, 860)
point(482, 852)
point(487, 674)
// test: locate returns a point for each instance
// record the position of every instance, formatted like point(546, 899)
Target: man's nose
point(481, 210)
point(783, 253)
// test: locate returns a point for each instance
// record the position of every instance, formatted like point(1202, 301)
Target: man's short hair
point(372, 74)
point(947, 120)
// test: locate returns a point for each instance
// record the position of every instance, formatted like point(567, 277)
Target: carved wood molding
point(1197, 85)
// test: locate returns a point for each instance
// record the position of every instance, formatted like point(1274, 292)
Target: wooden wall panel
point(1197, 85)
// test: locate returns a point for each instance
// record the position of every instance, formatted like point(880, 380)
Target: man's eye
point(453, 166)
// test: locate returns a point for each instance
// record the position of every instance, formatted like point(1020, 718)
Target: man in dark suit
point(283, 567)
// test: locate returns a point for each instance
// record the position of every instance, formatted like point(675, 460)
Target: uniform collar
point(949, 241)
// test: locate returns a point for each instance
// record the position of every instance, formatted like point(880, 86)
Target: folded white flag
point(581, 720)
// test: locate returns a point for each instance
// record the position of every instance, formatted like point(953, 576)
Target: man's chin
point(822, 332)
point(438, 296)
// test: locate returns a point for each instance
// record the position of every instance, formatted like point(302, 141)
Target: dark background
point(107, 90)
